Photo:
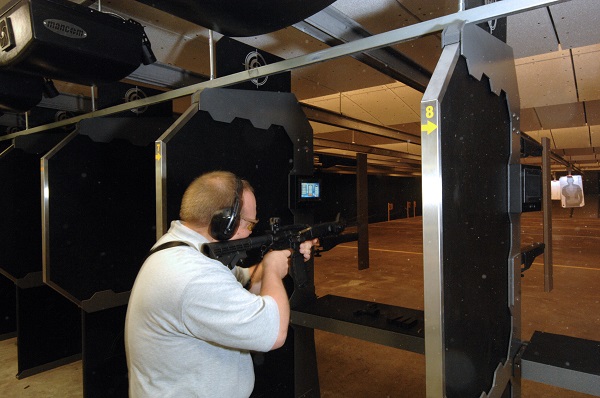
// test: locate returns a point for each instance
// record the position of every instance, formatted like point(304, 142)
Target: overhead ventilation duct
point(241, 18)
point(65, 41)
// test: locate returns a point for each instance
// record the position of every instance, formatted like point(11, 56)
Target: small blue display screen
point(310, 190)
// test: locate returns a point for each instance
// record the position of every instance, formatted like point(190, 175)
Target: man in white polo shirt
point(191, 321)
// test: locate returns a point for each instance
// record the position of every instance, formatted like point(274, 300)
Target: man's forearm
point(272, 285)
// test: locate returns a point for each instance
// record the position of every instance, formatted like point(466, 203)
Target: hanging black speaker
point(66, 41)
point(238, 18)
point(19, 93)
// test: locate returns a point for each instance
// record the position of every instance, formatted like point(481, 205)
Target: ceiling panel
point(539, 134)
point(410, 96)
point(410, 128)
point(529, 120)
point(587, 70)
point(561, 116)
point(546, 80)
point(357, 106)
point(425, 10)
point(378, 16)
point(583, 158)
point(595, 135)
point(403, 147)
point(382, 104)
point(340, 103)
point(337, 76)
point(355, 137)
point(320, 128)
point(592, 112)
point(572, 137)
point(579, 151)
point(571, 16)
point(530, 33)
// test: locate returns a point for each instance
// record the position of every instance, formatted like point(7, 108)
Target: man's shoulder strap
point(167, 245)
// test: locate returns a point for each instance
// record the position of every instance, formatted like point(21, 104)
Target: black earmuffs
point(225, 222)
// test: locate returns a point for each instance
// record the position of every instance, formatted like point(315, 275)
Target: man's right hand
point(277, 261)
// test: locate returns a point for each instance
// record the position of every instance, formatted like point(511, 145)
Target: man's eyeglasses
point(251, 223)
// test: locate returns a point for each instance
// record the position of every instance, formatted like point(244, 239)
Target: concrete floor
point(354, 368)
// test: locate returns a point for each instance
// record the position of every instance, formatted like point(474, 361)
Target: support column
point(362, 209)
point(547, 214)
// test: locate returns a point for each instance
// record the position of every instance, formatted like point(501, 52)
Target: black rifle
point(233, 252)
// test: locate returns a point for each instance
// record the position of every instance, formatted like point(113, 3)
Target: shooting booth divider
point(48, 326)
point(8, 309)
point(471, 217)
point(98, 204)
point(474, 192)
point(265, 138)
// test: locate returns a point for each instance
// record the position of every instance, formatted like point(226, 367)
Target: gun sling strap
point(167, 245)
point(175, 243)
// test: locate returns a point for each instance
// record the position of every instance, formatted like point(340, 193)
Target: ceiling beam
point(328, 117)
point(346, 146)
point(333, 28)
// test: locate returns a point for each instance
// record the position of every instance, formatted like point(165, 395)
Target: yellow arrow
point(429, 127)
point(157, 156)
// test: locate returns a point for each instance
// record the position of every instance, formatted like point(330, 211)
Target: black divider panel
point(263, 157)
point(20, 201)
point(104, 362)
point(8, 308)
point(4, 144)
point(21, 227)
point(49, 330)
point(102, 206)
point(475, 150)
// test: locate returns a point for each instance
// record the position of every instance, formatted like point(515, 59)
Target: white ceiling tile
point(542, 57)
point(425, 10)
point(583, 158)
point(546, 82)
point(561, 116)
point(413, 149)
point(330, 102)
point(410, 97)
point(376, 16)
point(339, 75)
point(576, 22)
point(383, 105)
point(572, 137)
point(592, 112)
point(335, 152)
point(354, 107)
point(579, 151)
point(595, 135)
point(529, 120)
point(530, 33)
point(539, 134)
point(320, 128)
point(587, 70)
